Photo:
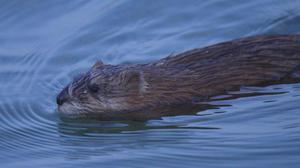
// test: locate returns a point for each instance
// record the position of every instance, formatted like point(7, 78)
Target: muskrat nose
point(60, 100)
point(62, 97)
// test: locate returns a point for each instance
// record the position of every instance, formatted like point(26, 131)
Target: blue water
point(43, 44)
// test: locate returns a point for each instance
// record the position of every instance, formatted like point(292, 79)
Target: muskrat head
point(104, 88)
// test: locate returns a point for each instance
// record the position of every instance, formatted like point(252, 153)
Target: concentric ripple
point(44, 44)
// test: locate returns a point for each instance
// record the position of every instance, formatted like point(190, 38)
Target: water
point(43, 44)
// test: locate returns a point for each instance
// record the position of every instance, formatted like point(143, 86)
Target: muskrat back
point(144, 91)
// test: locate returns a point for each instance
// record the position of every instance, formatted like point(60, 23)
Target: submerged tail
point(246, 61)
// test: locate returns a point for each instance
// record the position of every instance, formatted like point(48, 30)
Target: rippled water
point(43, 44)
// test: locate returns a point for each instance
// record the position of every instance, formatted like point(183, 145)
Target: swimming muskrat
point(143, 91)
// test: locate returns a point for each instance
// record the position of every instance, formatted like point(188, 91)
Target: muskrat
point(144, 91)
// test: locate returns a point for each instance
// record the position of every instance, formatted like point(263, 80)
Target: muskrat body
point(144, 91)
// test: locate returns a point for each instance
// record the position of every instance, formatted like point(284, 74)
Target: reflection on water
point(45, 43)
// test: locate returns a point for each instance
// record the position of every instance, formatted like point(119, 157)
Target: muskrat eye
point(93, 88)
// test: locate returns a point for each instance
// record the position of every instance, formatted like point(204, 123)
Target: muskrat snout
point(62, 97)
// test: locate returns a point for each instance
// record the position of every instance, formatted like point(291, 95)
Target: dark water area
point(43, 44)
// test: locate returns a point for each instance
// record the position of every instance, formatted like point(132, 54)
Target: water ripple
point(41, 51)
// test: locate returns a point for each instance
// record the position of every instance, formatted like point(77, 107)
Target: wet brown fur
point(152, 90)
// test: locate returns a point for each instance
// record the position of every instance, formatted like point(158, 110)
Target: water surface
point(43, 44)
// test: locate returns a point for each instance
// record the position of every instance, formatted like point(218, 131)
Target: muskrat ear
point(133, 80)
point(97, 65)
